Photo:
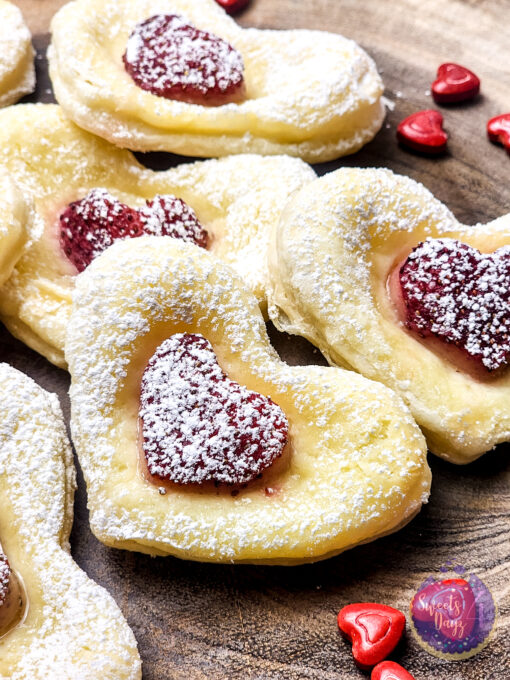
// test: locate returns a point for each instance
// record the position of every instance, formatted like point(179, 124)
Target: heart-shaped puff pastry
point(17, 72)
point(16, 226)
point(310, 94)
point(354, 466)
point(71, 627)
point(330, 263)
point(54, 163)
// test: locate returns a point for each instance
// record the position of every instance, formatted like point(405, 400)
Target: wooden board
point(195, 621)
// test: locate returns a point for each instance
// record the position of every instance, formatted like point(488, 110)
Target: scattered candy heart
point(449, 605)
point(462, 296)
point(389, 670)
point(498, 129)
point(374, 629)
point(232, 6)
point(454, 84)
point(198, 425)
point(171, 59)
point(92, 224)
point(422, 131)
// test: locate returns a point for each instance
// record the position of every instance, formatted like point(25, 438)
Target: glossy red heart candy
point(454, 83)
point(232, 6)
point(423, 131)
point(389, 670)
point(449, 604)
point(374, 629)
point(498, 129)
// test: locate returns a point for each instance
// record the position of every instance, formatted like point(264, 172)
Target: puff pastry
point(70, 627)
point(354, 466)
point(17, 72)
point(16, 226)
point(331, 260)
point(55, 163)
point(310, 94)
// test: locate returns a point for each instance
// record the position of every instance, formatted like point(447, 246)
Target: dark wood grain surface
point(200, 621)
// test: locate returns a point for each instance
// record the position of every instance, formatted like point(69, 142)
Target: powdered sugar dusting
point(170, 58)
point(92, 224)
point(5, 574)
point(461, 295)
point(200, 426)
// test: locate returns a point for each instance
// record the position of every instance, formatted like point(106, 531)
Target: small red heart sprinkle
point(200, 426)
point(454, 83)
point(389, 670)
point(232, 6)
point(5, 575)
point(461, 296)
point(423, 131)
point(170, 58)
point(498, 129)
point(92, 224)
point(374, 629)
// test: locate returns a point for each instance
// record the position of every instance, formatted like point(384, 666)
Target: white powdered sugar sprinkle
point(5, 575)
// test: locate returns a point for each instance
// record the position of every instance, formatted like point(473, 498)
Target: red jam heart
point(5, 575)
point(92, 224)
point(200, 426)
point(374, 629)
point(423, 131)
point(171, 59)
point(449, 605)
point(232, 6)
point(461, 296)
point(498, 129)
point(389, 670)
point(454, 83)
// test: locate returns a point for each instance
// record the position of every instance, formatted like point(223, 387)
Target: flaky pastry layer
point(310, 94)
point(354, 467)
point(330, 258)
point(17, 72)
point(54, 162)
point(72, 628)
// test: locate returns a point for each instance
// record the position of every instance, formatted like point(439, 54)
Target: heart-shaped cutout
point(170, 58)
point(448, 605)
point(311, 94)
point(374, 629)
point(92, 224)
point(423, 131)
point(200, 426)
point(498, 129)
point(454, 292)
point(389, 670)
point(454, 84)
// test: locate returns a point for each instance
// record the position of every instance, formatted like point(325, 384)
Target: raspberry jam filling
point(89, 226)
point(169, 58)
point(454, 292)
point(199, 426)
point(11, 597)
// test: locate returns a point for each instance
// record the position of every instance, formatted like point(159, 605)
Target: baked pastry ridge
point(354, 467)
point(331, 259)
point(71, 627)
point(17, 72)
point(310, 94)
point(54, 163)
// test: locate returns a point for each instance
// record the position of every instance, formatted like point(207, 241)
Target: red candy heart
point(172, 59)
point(454, 83)
point(5, 575)
point(200, 426)
point(91, 225)
point(498, 129)
point(389, 670)
point(422, 131)
point(374, 629)
point(450, 605)
point(455, 293)
point(232, 6)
